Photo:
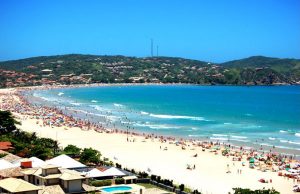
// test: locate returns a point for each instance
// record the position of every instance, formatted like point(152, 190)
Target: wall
point(75, 185)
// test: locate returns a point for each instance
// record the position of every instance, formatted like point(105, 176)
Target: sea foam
point(177, 117)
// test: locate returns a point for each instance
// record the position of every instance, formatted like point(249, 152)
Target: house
point(14, 185)
point(69, 180)
point(9, 157)
point(5, 145)
point(5, 164)
point(65, 161)
point(11, 172)
point(32, 162)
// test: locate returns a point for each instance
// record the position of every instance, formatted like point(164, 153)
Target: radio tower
point(151, 47)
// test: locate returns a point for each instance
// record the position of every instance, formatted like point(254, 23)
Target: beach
point(208, 171)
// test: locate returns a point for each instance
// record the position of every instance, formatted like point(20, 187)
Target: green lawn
point(149, 186)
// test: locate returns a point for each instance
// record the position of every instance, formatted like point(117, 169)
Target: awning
point(129, 177)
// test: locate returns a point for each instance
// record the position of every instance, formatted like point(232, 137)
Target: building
point(19, 186)
point(69, 180)
point(5, 146)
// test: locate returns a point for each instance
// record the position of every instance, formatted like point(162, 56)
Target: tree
point(7, 122)
point(89, 155)
point(72, 149)
point(48, 143)
point(41, 152)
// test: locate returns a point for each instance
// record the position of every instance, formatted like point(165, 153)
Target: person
point(194, 166)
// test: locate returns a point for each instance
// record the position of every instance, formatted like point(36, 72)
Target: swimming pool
point(116, 189)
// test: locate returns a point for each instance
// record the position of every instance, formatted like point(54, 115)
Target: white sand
point(209, 177)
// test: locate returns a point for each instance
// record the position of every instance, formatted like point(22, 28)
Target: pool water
point(116, 188)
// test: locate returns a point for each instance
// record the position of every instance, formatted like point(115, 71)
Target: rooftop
point(17, 185)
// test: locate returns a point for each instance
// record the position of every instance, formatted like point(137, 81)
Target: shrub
point(196, 192)
point(181, 187)
point(248, 191)
point(158, 178)
point(89, 155)
point(3, 155)
point(101, 183)
point(153, 177)
point(72, 149)
point(143, 174)
point(119, 181)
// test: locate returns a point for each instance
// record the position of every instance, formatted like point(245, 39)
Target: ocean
point(257, 115)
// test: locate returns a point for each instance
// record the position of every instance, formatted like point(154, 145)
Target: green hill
point(76, 69)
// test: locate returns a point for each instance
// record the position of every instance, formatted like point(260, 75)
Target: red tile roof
point(5, 145)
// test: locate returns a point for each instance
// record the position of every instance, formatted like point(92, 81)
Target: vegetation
point(28, 144)
point(119, 181)
point(78, 69)
point(25, 144)
point(101, 183)
point(249, 191)
point(90, 155)
point(72, 150)
point(3, 155)
point(7, 122)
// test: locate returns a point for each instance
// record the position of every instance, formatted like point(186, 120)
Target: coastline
point(144, 153)
point(260, 147)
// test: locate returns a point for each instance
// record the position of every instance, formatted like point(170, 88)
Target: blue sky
point(210, 30)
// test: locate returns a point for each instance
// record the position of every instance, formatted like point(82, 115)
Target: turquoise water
point(116, 188)
point(259, 115)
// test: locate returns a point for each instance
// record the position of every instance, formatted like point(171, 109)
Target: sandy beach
point(149, 154)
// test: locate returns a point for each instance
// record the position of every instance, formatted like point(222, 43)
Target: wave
point(194, 135)
point(265, 144)
point(283, 131)
point(51, 99)
point(94, 101)
point(144, 113)
point(286, 147)
point(297, 134)
point(284, 141)
point(272, 138)
point(75, 103)
point(118, 105)
point(112, 118)
point(156, 126)
point(252, 126)
point(241, 140)
point(238, 137)
point(177, 117)
point(219, 135)
point(293, 142)
point(219, 138)
point(98, 107)
point(60, 93)
point(227, 123)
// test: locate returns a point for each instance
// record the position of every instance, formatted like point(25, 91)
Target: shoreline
point(260, 147)
point(41, 87)
point(128, 153)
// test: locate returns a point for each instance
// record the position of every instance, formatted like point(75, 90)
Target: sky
point(208, 30)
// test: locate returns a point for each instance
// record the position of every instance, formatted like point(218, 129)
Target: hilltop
point(78, 69)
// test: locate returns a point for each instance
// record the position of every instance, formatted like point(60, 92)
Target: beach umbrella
point(251, 160)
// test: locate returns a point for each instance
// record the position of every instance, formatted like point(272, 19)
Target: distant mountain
point(78, 69)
